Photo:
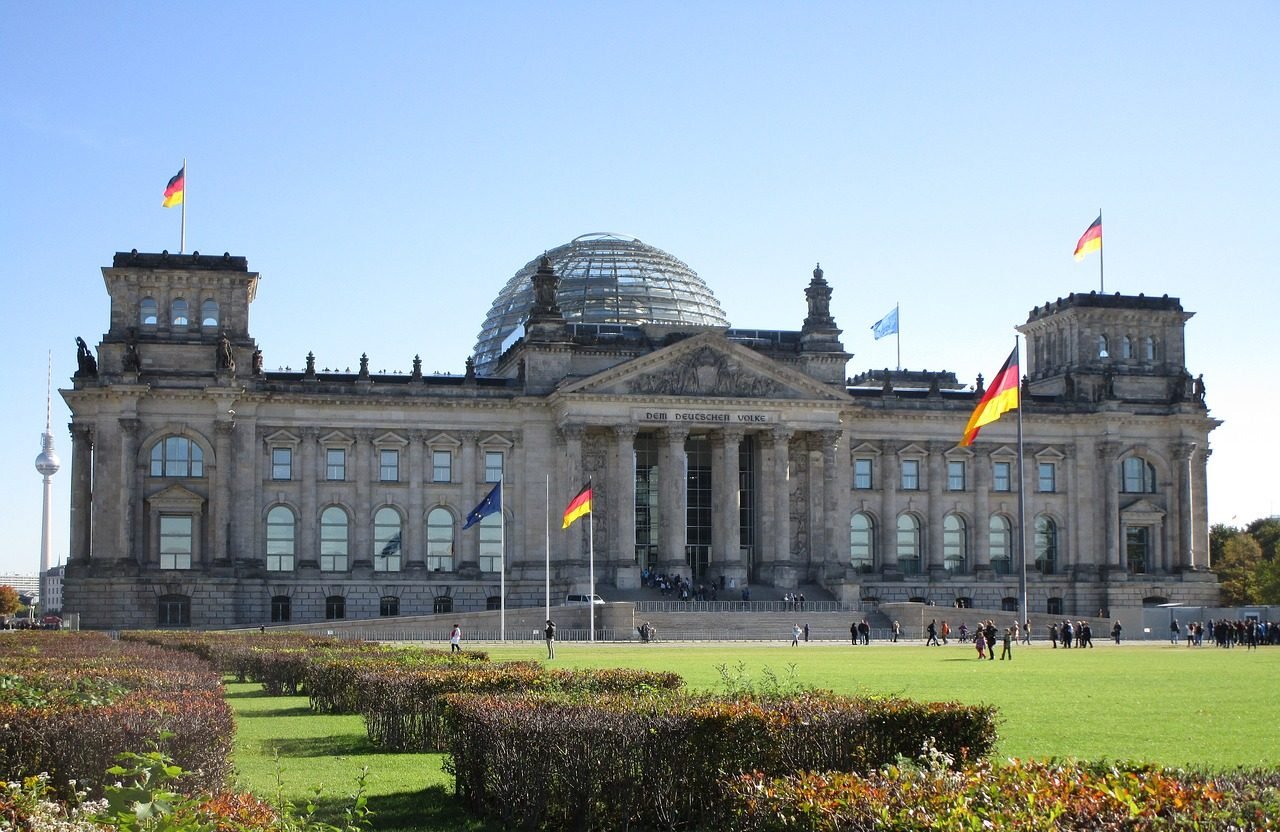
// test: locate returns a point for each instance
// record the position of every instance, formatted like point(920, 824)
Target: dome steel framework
point(604, 279)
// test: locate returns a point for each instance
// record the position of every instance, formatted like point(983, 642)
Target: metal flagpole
point(591, 550)
point(547, 573)
point(182, 243)
point(1102, 278)
point(897, 316)
point(1022, 502)
point(502, 563)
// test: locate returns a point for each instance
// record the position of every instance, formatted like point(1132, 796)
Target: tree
point(1269, 581)
point(1266, 531)
point(1238, 570)
point(9, 602)
point(1219, 534)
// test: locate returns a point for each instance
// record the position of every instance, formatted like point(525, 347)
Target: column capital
point(1183, 451)
point(131, 426)
point(674, 434)
point(572, 431)
point(81, 432)
point(224, 427)
point(626, 433)
point(1106, 450)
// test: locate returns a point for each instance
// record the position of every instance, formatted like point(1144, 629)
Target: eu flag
point(491, 504)
point(887, 325)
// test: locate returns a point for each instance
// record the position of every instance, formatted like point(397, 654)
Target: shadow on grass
point(340, 746)
point(430, 810)
point(276, 712)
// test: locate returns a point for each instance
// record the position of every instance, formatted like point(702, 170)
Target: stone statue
point(131, 362)
point(226, 357)
point(257, 362)
point(1199, 388)
point(470, 369)
point(86, 364)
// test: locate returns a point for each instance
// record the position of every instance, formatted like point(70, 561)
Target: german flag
point(1000, 398)
point(1090, 240)
point(578, 506)
point(174, 190)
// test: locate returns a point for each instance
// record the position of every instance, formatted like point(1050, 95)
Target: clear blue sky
point(388, 166)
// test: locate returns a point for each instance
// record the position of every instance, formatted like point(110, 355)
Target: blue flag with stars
point(887, 325)
point(491, 504)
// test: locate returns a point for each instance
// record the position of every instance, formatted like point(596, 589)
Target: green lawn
point(1165, 704)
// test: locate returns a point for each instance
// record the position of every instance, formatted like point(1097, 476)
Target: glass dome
point(604, 279)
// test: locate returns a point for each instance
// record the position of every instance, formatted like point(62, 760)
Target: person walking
point(806, 633)
point(1173, 632)
point(1007, 652)
point(795, 635)
point(1026, 632)
point(455, 640)
point(897, 631)
point(864, 632)
point(1115, 631)
point(933, 634)
point(550, 633)
point(990, 632)
point(853, 633)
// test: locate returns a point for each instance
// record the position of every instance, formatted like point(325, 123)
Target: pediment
point(175, 497)
point(282, 437)
point(495, 440)
point(336, 437)
point(389, 439)
point(443, 440)
point(1142, 508)
point(708, 365)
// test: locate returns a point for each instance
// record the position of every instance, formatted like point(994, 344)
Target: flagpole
point(1022, 502)
point(897, 316)
point(182, 243)
point(502, 565)
point(1102, 279)
point(591, 569)
point(547, 571)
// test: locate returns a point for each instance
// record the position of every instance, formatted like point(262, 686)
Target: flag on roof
point(887, 325)
point(173, 192)
point(1001, 397)
point(1090, 240)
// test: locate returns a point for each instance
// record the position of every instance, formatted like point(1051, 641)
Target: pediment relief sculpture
point(704, 372)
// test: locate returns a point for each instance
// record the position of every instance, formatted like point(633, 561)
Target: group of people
point(987, 633)
point(793, 601)
point(1076, 634)
point(860, 632)
point(1247, 633)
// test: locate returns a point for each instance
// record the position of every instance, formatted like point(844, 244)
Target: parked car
point(582, 598)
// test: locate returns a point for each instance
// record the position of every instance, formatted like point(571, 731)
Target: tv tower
point(47, 463)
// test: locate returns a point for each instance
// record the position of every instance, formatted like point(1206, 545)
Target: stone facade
point(207, 492)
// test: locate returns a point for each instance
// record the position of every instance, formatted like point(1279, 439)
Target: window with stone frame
point(335, 539)
point(180, 317)
point(173, 611)
point(1046, 545)
point(1137, 545)
point(335, 608)
point(388, 606)
point(1001, 475)
point(282, 533)
point(955, 544)
point(440, 531)
point(335, 464)
point(177, 456)
point(177, 541)
point(1047, 473)
point(209, 313)
point(281, 609)
point(389, 465)
point(148, 312)
point(1137, 476)
point(282, 463)
point(441, 466)
point(863, 473)
point(387, 540)
point(956, 475)
point(490, 554)
point(1000, 544)
point(862, 542)
point(908, 544)
point(910, 475)
point(493, 466)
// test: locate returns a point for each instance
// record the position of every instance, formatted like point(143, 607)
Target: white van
point(582, 598)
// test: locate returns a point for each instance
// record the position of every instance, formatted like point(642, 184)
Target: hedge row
point(71, 704)
point(1015, 795)
point(405, 710)
point(333, 682)
point(654, 760)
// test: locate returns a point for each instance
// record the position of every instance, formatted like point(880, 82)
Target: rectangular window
point(176, 539)
point(1048, 477)
point(335, 464)
point(1137, 548)
point(493, 466)
point(441, 466)
point(862, 470)
point(282, 463)
point(389, 465)
point(1001, 476)
point(910, 475)
point(955, 475)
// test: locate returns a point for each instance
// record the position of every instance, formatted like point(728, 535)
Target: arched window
point(955, 544)
point(148, 312)
point(1126, 347)
point(180, 316)
point(174, 611)
point(335, 607)
point(335, 537)
point(177, 456)
point(386, 540)
point(281, 609)
point(491, 542)
point(282, 532)
point(1102, 346)
point(1149, 348)
point(1137, 476)
point(1046, 545)
point(209, 313)
point(862, 542)
point(440, 541)
point(1000, 544)
point(908, 544)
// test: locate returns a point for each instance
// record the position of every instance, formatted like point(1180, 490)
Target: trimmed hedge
point(333, 681)
point(654, 760)
point(405, 710)
point(1053, 795)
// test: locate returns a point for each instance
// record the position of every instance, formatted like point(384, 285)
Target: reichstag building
point(208, 491)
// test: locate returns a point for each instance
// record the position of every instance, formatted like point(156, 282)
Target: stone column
point(81, 491)
point(1183, 554)
point(726, 551)
point(414, 544)
point(933, 537)
point(781, 540)
point(104, 527)
point(247, 501)
point(219, 513)
point(624, 520)
point(1113, 553)
point(982, 480)
point(828, 550)
point(308, 536)
point(129, 542)
point(467, 546)
point(673, 501)
point(572, 481)
point(1068, 551)
point(889, 508)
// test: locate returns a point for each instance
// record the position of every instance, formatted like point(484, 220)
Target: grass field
point(1169, 705)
